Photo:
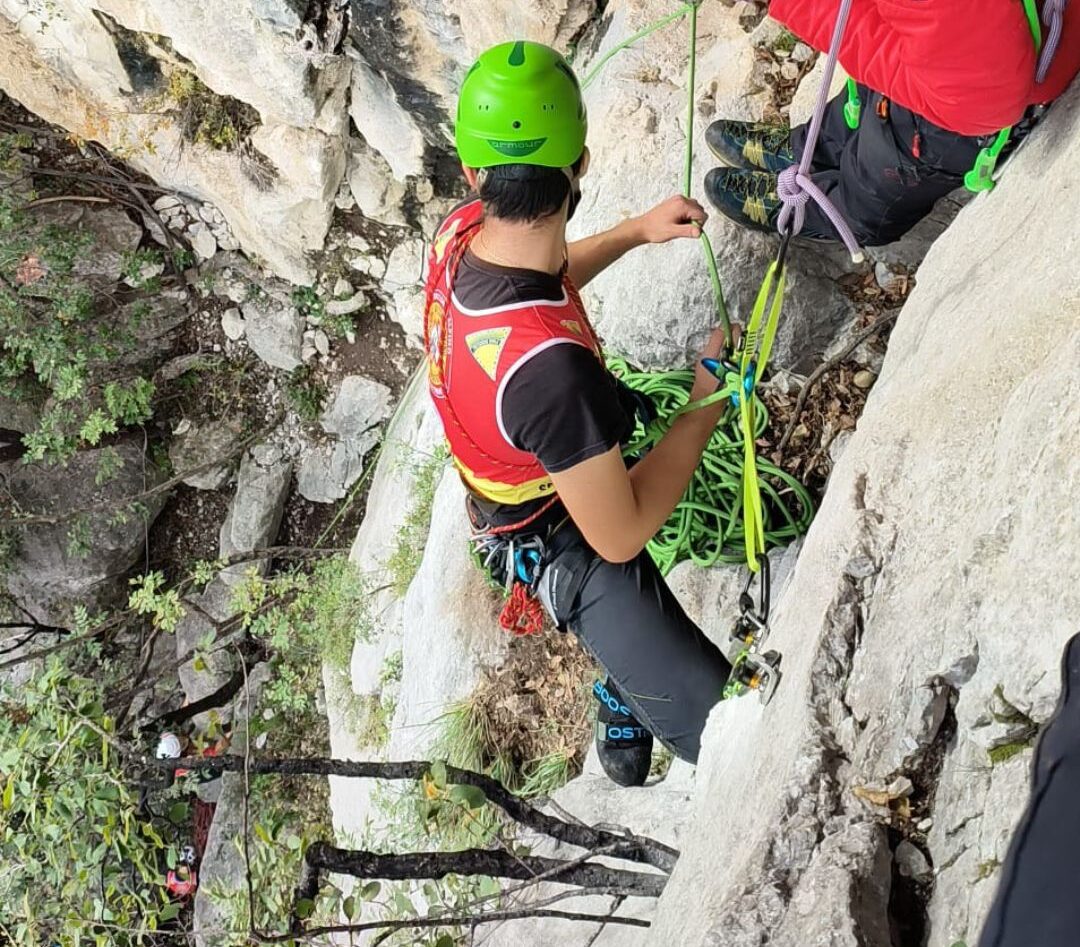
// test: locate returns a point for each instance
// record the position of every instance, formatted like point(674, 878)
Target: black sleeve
point(564, 407)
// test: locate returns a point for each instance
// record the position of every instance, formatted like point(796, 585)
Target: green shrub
point(217, 121)
point(82, 864)
point(322, 613)
point(408, 553)
point(306, 393)
point(57, 342)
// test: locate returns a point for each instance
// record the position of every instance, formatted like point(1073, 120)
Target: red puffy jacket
point(966, 65)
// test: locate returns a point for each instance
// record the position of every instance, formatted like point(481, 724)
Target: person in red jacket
point(937, 80)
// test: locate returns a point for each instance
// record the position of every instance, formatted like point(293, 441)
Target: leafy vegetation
point(785, 42)
point(311, 307)
point(84, 863)
point(217, 121)
point(306, 393)
point(1006, 751)
point(307, 617)
point(62, 336)
point(404, 561)
point(986, 869)
point(276, 854)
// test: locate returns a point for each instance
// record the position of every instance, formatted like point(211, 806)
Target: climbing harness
point(981, 176)
point(853, 106)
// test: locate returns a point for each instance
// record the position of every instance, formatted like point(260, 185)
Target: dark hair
point(522, 193)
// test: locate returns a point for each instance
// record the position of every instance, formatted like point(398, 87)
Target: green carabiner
point(853, 106)
point(981, 176)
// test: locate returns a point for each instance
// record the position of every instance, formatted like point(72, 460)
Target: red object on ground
point(968, 67)
point(182, 882)
point(202, 818)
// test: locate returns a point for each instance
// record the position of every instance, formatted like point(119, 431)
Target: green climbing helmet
point(520, 104)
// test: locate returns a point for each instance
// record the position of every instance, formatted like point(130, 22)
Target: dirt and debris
point(779, 68)
point(832, 408)
point(538, 703)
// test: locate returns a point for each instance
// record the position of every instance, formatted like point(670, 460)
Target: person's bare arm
point(675, 217)
point(618, 510)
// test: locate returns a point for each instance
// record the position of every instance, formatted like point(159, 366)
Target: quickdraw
point(515, 564)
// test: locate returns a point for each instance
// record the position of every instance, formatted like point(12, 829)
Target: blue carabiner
point(526, 572)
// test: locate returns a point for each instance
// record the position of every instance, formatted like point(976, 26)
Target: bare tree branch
point(538, 879)
point(322, 857)
point(61, 198)
point(219, 698)
point(823, 369)
point(628, 847)
point(430, 922)
point(100, 179)
point(615, 905)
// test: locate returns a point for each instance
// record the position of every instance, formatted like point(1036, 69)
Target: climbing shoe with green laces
point(753, 146)
point(622, 743)
point(747, 197)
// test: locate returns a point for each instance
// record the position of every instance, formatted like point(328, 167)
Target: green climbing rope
point(736, 506)
point(686, 10)
point(707, 526)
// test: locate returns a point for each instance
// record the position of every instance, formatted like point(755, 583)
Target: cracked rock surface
point(923, 625)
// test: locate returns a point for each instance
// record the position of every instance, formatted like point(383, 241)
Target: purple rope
point(795, 187)
point(1054, 15)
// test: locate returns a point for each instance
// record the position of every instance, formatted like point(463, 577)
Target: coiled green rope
point(707, 525)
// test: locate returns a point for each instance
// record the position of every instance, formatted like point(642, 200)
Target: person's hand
point(705, 382)
point(676, 217)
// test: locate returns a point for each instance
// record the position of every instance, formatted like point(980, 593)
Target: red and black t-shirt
point(562, 405)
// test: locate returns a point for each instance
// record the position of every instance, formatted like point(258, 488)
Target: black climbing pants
point(666, 670)
point(1036, 904)
point(886, 175)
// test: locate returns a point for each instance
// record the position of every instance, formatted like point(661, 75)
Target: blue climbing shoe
point(622, 743)
point(753, 146)
point(747, 197)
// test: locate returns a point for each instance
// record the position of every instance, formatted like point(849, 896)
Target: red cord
point(522, 614)
point(202, 820)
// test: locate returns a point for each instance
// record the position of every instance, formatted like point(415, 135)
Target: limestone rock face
point(443, 630)
point(102, 70)
point(933, 587)
point(275, 333)
point(331, 468)
point(262, 485)
point(198, 446)
point(656, 307)
point(83, 560)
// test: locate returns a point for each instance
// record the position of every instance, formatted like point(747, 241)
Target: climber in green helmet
point(534, 421)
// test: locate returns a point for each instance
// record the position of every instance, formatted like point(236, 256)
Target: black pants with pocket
point(667, 672)
point(886, 175)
